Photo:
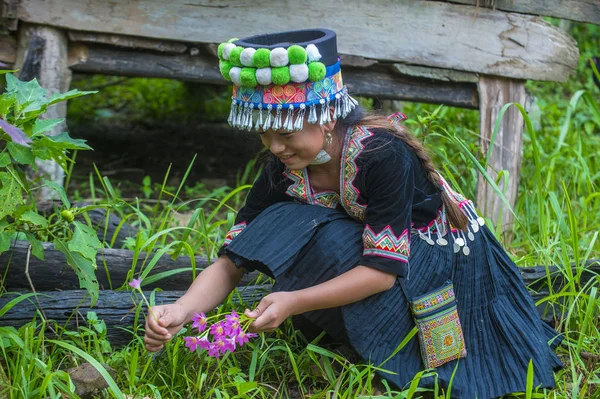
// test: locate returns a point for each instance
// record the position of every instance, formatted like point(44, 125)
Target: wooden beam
point(8, 49)
point(506, 152)
point(138, 43)
point(42, 54)
point(574, 10)
point(53, 273)
point(380, 80)
point(434, 34)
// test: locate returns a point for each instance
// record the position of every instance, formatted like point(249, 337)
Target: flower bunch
point(221, 337)
point(137, 285)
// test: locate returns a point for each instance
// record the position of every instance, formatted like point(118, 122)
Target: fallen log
point(114, 266)
point(55, 274)
point(118, 309)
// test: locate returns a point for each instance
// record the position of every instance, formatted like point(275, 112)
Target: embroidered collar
point(302, 190)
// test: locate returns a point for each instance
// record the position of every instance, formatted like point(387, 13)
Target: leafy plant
point(23, 141)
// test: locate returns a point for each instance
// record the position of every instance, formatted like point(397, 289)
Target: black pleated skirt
point(304, 245)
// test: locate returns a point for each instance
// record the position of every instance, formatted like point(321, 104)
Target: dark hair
point(372, 120)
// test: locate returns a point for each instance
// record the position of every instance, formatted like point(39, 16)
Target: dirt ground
point(132, 152)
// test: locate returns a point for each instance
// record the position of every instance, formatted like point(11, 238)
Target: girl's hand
point(272, 311)
point(162, 323)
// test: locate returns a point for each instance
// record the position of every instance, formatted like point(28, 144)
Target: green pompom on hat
point(234, 56)
point(225, 67)
point(220, 51)
point(296, 54)
point(262, 58)
point(316, 71)
point(248, 77)
point(280, 75)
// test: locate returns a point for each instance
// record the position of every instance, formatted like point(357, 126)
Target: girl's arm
point(352, 286)
point(211, 287)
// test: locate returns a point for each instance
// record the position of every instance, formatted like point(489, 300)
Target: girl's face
point(295, 149)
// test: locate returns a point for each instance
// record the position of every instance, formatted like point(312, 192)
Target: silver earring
point(328, 138)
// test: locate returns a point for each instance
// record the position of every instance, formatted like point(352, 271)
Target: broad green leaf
point(4, 71)
point(59, 189)
point(44, 125)
point(85, 241)
point(50, 153)
point(12, 83)
point(7, 102)
point(84, 268)
point(58, 97)
point(37, 249)
point(64, 141)
point(5, 237)
point(10, 194)
point(21, 154)
point(4, 160)
point(30, 92)
point(34, 218)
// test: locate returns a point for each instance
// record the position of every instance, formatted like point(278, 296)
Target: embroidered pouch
point(440, 333)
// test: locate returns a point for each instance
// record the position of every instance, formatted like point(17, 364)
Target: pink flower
point(135, 283)
point(213, 350)
point(199, 321)
point(191, 342)
point(225, 345)
point(204, 343)
point(217, 330)
point(243, 337)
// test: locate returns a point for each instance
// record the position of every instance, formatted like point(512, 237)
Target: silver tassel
point(232, 114)
point(240, 115)
point(249, 122)
point(267, 124)
point(322, 119)
point(277, 120)
point(337, 112)
point(289, 119)
point(312, 115)
point(259, 121)
point(299, 124)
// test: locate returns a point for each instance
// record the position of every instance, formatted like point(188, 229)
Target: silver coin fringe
point(291, 119)
point(459, 238)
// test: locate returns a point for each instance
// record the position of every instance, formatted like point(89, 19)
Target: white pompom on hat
point(299, 73)
point(227, 50)
point(234, 74)
point(312, 52)
point(246, 56)
point(263, 76)
point(279, 57)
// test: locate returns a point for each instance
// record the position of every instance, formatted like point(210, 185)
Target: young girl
point(362, 235)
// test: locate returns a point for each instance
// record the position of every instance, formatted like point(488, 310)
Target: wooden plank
point(128, 42)
point(506, 153)
point(574, 10)
point(53, 273)
point(434, 34)
point(378, 81)
point(42, 54)
point(8, 49)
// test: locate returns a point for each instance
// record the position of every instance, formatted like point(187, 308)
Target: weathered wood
point(53, 273)
point(380, 81)
point(8, 15)
point(575, 10)
point(494, 43)
point(8, 49)
point(446, 75)
point(116, 308)
point(42, 54)
point(128, 42)
point(506, 153)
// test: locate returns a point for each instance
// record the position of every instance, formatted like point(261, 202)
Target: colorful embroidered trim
point(301, 190)
point(440, 332)
point(353, 146)
point(433, 300)
point(386, 244)
point(235, 230)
